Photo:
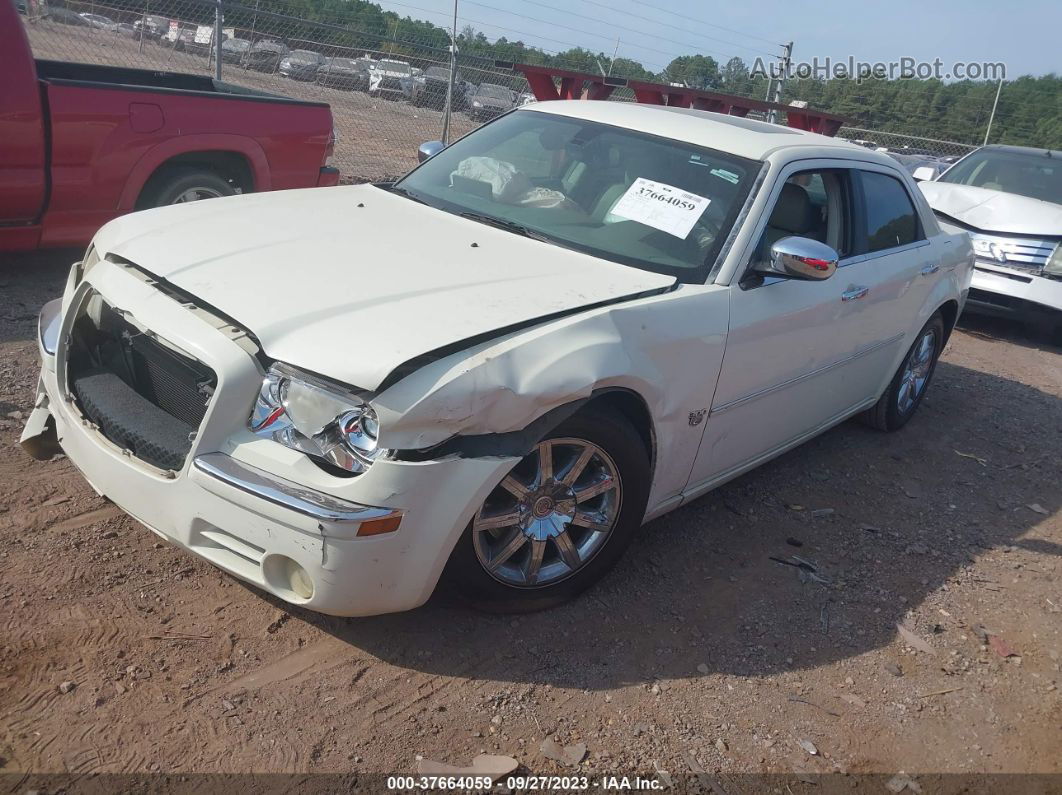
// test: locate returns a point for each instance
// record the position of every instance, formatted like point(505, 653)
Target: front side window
point(891, 219)
point(646, 201)
point(812, 204)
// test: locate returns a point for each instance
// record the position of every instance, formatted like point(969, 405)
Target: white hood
point(993, 210)
point(351, 282)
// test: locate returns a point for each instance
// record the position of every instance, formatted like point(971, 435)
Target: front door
point(795, 358)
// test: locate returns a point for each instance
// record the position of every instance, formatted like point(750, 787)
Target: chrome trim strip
point(285, 493)
point(804, 376)
point(48, 325)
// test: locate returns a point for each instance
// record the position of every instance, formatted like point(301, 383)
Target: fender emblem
point(697, 417)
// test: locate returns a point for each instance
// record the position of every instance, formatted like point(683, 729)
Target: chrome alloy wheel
point(195, 194)
point(916, 371)
point(550, 515)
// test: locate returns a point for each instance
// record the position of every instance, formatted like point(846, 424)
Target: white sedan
point(492, 372)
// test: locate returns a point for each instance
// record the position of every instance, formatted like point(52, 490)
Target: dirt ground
point(701, 654)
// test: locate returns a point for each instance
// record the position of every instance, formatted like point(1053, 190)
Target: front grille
point(1022, 253)
point(143, 396)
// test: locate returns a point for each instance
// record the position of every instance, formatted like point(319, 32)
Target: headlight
point(477, 104)
point(1054, 263)
point(309, 415)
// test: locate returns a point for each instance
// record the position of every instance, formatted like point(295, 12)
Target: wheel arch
point(949, 311)
point(240, 159)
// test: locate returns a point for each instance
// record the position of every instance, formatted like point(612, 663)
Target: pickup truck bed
point(84, 143)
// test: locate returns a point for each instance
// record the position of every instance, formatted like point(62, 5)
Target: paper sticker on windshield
point(661, 206)
point(729, 176)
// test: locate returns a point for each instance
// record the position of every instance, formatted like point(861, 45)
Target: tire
point(174, 186)
point(615, 447)
point(897, 405)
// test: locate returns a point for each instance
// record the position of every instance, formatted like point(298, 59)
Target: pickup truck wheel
point(909, 385)
point(186, 186)
point(558, 521)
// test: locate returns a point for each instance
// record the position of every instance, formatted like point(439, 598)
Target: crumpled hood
point(993, 210)
point(351, 282)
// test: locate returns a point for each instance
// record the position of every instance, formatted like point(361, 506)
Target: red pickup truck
point(83, 143)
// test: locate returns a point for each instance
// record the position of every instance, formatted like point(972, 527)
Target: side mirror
point(429, 149)
point(800, 258)
point(924, 174)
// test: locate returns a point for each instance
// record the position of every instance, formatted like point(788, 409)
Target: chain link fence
point(381, 114)
point(387, 93)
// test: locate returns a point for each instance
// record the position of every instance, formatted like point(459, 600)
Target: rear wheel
point(558, 521)
point(186, 185)
point(909, 385)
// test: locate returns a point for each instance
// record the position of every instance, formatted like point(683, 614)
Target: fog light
point(284, 574)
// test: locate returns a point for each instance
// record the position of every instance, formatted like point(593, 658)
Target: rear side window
point(891, 219)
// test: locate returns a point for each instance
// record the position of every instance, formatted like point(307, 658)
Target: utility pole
point(450, 82)
point(779, 84)
point(217, 40)
point(992, 117)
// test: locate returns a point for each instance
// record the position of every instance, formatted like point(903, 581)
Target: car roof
point(735, 134)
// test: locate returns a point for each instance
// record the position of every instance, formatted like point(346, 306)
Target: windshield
point(235, 44)
point(653, 203)
point(439, 73)
point(498, 92)
point(303, 55)
point(1032, 174)
point(393, 66)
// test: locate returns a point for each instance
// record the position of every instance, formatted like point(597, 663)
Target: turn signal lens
point(376, 527)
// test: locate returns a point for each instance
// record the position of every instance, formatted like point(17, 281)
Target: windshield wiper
point(509, 226)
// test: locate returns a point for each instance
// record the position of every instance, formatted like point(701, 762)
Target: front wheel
point(559, 521)
point(909, 385)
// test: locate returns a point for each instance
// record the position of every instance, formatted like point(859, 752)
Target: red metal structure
point(550, 83)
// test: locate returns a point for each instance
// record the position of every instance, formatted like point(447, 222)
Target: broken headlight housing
point(317, 418)
point(1054, 263)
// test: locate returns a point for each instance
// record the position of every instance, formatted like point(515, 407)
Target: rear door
point(22, 143)
point(897, 266)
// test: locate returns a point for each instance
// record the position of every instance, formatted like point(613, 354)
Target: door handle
point(929, 270)
point(854, 293)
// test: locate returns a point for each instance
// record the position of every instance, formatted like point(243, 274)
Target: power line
point(676, 27)
point(690, 18)
point(578, 30)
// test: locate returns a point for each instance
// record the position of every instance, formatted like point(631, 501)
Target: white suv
point(567, 323)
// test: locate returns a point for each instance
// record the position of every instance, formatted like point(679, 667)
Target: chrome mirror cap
point(800, 258)
point(429, 149)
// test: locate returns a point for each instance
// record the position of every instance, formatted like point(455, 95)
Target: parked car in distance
point(487, 101)
point(180, 39)
point(154, 26)
point(558, 354)
point(201, 41)
point(1009, 200)
point(64, 16)
point(264, 55)
point(233, 50)
point(84, 143)
point(349, 73)
point(301, 65)
point(386, 78)
point(126, 30)
point(100, 22)
point(429, 89)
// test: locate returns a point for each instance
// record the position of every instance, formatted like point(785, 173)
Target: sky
point(1024, 35)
